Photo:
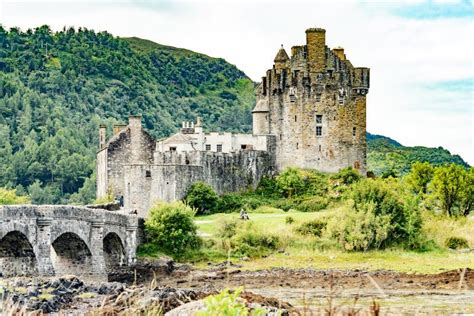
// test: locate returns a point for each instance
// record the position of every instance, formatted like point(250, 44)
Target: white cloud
point(403, 54)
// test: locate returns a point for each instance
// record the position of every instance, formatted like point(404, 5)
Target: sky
point(420, 52)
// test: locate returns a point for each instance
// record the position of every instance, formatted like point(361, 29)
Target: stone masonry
point(58, 240)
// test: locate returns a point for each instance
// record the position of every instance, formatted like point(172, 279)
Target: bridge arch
point(17, 255)
point(70, 254)
point(114, 252)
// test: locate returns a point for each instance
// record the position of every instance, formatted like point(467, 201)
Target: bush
point(251, 242)
point(289, 220)
point(202, 197)
point(347, 176)
point(314, 228)
point(456, 243)
point(8, 197)
point(228, 304)
point(382, 214)
point(313, 204)
point(228, 203)
point(290, 182)
point(227, 228)
point(267, 187)
point(170, 226)
point(285, 204)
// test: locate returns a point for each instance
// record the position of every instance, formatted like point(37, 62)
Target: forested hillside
point(56, 88)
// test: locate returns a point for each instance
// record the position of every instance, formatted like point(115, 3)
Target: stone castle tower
point(315, 105)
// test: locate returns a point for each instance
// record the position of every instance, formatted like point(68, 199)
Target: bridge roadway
point(62, 239)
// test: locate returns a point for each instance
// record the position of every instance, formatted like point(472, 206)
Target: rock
point(190, 308)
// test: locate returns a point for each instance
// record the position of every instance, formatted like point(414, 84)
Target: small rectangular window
point(148, 174)
point(353, 131)
point(208, 146)
point(318, 98)
point(219, 148)
point(319, 119)
point(296, 118)
point(172, 148)
point(319, 147)
point(319, 131)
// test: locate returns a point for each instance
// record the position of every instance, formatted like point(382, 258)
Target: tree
point(170, 226)
point(449, 185)
point(202, 197)
point(420, 176)
point(290, 182)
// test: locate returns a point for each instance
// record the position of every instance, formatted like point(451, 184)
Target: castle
point(310, 113)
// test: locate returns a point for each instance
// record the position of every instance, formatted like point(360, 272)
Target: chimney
point(316, 47)
point(339, 51)
point(102, 137)
point(135, 121)
point(118, 128)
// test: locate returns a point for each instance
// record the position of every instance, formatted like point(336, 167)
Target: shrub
point(382, 214)
point(313, 204)
point(251, 242)
point(456, 243)
point(8, 197)
point(267, 187)
point(290, 182)
point(347, 176)
point(170, 226)
point(314, 228)
point(359, 230)
point(228, 304)
point(284, 204)
point(227, 228)
point(230, 203)
point(289, 220)
point(202, 197)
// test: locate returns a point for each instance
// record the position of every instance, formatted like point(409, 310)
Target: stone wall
point(173, 173)
point(60, 240)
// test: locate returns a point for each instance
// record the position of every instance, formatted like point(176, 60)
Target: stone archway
point(114, 252)
point(71, 255)
point(17, 257)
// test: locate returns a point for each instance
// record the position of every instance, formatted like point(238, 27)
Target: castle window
point(148, 174)
point(297, 145)
point(296, 118)
point(319, 131)
point(341, 100)
point(281, 136)
point(208, 146)
point(319, 119)
point(219, 148)
point(319, 148)
point(172, 148)
point(353, 131)
point(318, 98)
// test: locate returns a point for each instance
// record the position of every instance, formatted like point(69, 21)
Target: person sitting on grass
point(243, 215)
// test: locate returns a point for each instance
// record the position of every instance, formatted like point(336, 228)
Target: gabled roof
point(178, 138)
point(261, 106)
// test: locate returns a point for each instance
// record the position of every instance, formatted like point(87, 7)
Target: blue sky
point(421, 53)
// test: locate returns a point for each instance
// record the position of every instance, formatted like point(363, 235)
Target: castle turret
point(260, 118)
point(315, 105)
point(135, 125)
point(316, 49)
point(281, 59)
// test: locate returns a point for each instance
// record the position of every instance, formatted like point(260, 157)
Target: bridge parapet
point(64, 239)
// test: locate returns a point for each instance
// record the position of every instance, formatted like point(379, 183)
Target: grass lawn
point(301, 252)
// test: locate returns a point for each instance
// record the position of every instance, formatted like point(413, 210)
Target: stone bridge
point(57, 240)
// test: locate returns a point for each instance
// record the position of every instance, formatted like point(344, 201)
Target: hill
point(385, 155)
point(57, 87)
